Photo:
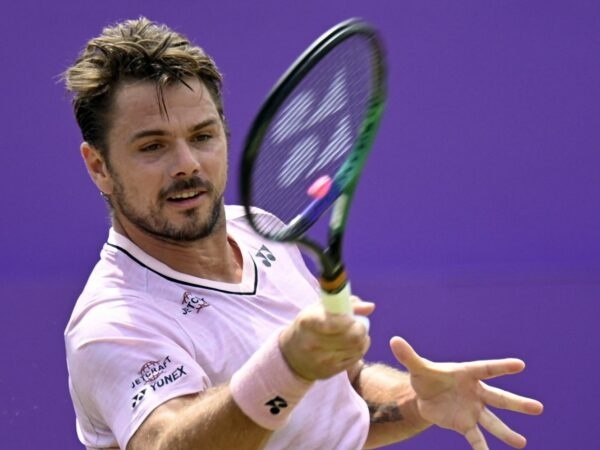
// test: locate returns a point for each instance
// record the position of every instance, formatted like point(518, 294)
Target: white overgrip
point(340, 303)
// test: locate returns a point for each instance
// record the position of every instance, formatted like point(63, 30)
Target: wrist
point(266, 389)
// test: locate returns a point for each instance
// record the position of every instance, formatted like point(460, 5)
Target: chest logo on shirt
point(193, 303)
point(266, 256)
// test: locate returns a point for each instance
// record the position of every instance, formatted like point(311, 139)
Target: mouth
point(185, 197)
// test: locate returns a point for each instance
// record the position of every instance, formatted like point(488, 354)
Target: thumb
point(406, 355)
point(361, 307)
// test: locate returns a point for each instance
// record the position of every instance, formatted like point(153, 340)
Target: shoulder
point(267, 250)
point(124, 358)
point(235, 213)
point(238, 218)
point(108, 317)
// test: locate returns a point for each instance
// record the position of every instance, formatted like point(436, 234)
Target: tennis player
point(194, 333)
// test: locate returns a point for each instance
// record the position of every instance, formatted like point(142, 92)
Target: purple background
point(475, 227)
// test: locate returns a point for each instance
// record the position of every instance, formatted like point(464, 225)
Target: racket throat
point(334, 282)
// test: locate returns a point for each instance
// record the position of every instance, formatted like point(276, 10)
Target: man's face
point(169, 170)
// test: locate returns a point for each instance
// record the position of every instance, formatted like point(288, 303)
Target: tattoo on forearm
point(384, 412)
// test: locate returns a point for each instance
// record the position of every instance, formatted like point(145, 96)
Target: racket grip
point(340, 303)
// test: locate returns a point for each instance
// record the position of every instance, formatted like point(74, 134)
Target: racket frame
point(333, 277)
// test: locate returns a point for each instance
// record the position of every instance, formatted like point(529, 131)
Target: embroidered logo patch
point(193, 303)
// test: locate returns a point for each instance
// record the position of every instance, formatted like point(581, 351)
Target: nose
point(185, 161)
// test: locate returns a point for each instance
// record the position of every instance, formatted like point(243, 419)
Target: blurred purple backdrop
point(476, 226)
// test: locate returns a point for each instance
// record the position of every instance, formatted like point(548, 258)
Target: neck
point(216, 257)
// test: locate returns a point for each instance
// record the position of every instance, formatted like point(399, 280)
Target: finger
point(317, 320)
point(406, 355)
point(499, 398)
point(476, 439)
point(335, 324)
point(357, 299)
point(484, 370)
point(343, 360)
point(495, 426)
point(351, 361)
point(361, 308)
point(358, 338)
point(353, 339)
point(366, 344)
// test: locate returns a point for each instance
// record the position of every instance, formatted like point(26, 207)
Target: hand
point(452, 395)
point(318, 344)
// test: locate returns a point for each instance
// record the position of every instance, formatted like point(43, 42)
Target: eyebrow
point(160, 132)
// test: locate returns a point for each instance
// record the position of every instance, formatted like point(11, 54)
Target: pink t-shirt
point(142, 333)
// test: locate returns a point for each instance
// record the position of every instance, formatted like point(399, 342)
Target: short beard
point(154, 224)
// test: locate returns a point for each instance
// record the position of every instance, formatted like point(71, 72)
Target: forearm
point(260, 397)
point(205, 421)
point(392, 405)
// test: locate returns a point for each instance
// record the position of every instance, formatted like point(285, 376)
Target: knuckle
point(348, 362)
point(334, 324)
point(305, 321)
point(356, 340)
point(367, 342)
point(367, 345)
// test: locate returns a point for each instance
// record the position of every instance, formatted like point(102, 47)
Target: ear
point(97, 168)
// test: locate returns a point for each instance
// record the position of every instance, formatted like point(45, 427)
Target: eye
point(202, 137)
point(151, 147)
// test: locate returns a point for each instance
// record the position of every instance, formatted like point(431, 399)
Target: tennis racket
point(308, 145)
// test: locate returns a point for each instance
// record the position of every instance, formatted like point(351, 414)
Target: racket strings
point(314, 130)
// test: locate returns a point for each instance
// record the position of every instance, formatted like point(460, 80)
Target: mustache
point(183, 185)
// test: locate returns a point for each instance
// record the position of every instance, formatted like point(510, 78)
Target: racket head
point(308, 144)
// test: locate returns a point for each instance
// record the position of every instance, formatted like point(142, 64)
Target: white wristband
point(266, 389)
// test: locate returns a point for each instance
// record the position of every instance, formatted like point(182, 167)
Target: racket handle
point(339, 303)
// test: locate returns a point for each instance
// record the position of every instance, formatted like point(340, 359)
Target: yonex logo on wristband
point(254, 383)
point(276, 404)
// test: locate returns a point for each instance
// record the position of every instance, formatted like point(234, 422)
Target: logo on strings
point(305, 112)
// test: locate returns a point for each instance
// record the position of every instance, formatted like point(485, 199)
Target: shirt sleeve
point(124, 360)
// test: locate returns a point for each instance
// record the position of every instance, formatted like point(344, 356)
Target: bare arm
point(392, 404)
point(204, 421)
point(316, 345)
